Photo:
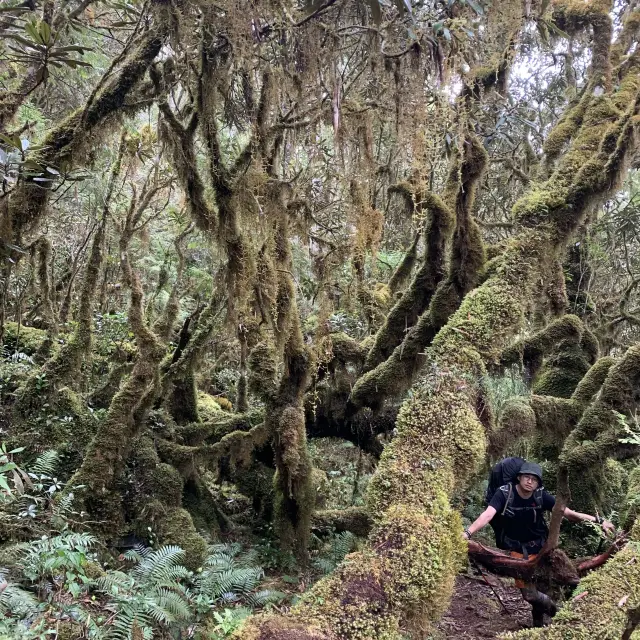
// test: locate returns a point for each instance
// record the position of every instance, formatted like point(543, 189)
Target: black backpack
point(502, 478)
point(503, 473)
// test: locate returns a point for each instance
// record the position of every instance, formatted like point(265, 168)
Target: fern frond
point(45, 464)
point(18, 602)
point(173, 603)
point(264, 597)
point(114, 582)
point(155, 564)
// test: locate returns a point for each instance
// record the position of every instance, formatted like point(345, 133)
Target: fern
point(17, 602)
point(45, 464)
point(339, 546)
point(151, 596)
point(265, 597)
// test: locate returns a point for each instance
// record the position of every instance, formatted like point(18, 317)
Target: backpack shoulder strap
point(537, 496)
point(507, 490)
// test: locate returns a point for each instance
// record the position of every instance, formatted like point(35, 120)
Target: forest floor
point(476, 611)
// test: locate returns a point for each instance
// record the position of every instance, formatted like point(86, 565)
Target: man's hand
point(466, 534)
point(608, 527)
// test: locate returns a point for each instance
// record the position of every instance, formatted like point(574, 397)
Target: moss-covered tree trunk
point(403, 578)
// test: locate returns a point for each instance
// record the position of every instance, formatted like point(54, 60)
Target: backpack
point(503, 473)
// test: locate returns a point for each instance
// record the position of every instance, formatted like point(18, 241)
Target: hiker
point(516, 512)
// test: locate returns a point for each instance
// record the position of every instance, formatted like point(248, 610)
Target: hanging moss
point(393, 375)
point(417, 296)
point(440, 439)
point(65, 144)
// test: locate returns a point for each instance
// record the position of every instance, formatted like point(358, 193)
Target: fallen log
point(589, 564)
point(551, 564)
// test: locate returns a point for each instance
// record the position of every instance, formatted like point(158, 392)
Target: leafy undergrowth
point(66, 584)
point(58, 590)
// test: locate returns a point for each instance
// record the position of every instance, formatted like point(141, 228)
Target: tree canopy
point(241, 242)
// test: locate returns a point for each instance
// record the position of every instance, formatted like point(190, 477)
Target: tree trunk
point(404, 577)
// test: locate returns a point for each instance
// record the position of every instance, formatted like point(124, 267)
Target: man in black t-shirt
point(523, 531)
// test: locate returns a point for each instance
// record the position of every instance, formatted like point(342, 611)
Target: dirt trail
point(476, 612)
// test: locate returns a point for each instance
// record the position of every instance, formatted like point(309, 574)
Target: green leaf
point(31, 30)
point(4, 485)
point(45, 32)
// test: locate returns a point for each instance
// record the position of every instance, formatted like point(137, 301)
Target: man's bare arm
point(481, 521)
point(576, 516)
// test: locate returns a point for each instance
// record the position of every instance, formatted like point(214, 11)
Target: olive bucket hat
point(532, 469)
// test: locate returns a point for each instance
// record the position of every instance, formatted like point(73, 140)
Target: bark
point(64, 367)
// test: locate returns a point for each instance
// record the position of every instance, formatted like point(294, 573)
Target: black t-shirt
point(527, 523)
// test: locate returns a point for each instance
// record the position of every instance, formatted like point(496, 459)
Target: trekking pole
point(495, 593)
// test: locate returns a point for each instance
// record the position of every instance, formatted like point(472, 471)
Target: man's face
point(528, 482)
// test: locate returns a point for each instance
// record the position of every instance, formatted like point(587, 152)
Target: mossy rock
point(23, 339)
point(208, 407)
point(175, 526)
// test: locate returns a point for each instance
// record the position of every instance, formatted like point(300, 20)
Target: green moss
point(563, 132)
point(175, 526)
point(262, 370)
point(346, 349)
point(220, 425)
point(609, 594)
point(566, 366)
point(167, 485)
point(208, 407)
point(68, 631)
point(631, 507)
point(416, 298)
point(403, 271)
point(592, 381)
point(23, 339)
point(517, 420)
point(353, 519)
point(530, 351)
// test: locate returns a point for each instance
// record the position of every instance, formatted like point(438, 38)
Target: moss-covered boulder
point(208, 407)
point(21, 339)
